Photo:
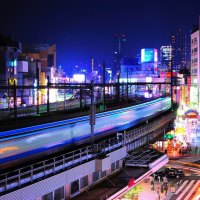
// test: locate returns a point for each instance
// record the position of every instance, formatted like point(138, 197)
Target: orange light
point(3, 150)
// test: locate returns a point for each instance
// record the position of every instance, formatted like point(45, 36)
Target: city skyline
point(85, 30)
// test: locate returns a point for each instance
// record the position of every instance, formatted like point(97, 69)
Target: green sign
point(168, 136)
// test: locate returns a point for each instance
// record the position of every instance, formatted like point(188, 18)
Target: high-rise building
point(119, 52)
point(195, 56)
point(9, 52)
point(195, 68)
point(178, 44)
point(166, 56)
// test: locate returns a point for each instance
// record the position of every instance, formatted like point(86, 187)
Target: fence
point(20, 101)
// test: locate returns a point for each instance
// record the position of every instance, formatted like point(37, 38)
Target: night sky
point(84, 29)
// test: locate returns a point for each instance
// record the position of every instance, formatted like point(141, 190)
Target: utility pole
point(38, 82)
point(81, 98)
point(92, 106)
point(85, 90)
point(127, 84)
point(8, 96)
point(104, 82)
point(118, 85)
point(48, 94)
point(15, 100)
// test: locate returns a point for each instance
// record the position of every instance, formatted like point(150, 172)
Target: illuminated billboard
point(80, 78)
point(149, 55)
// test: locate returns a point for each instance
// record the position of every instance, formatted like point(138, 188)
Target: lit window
point(195, 81)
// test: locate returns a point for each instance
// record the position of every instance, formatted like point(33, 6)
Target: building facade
point(45, 54)
point(195, 68)
point(9, 52)
point(166, 56)
point(178, 44)
point(119, 53)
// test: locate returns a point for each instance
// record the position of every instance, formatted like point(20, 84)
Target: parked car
point(169, 173)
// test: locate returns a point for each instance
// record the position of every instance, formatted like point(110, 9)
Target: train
point(36, 141)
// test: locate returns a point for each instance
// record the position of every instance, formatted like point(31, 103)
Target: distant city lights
point(80, 78)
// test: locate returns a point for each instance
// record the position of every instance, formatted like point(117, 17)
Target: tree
point(133, 193)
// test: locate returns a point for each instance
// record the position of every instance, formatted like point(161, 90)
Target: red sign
point(168, 74)
point(131, 182)
point(162, 74)
point(191, 114)
point(188, 80)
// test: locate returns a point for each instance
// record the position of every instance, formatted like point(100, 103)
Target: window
point(83, 182)
point(117, 164)
point(195, 50)
point(103, 174)
point(112, 167)
point(50, 60)
point(95, 176)
point(74, 186)
point(194, 71)
point(48, 196)
point(59, 194)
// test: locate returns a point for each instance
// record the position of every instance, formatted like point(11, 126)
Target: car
point(169, 172)
point(175, 173)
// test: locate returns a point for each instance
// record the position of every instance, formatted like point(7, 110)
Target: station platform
point(118, 183)
point(112, 184)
